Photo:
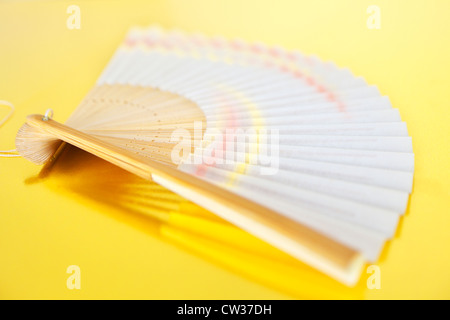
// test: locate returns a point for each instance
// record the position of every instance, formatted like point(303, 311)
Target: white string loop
point(48, 114)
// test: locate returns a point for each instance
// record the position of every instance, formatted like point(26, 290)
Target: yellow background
point(48, 224)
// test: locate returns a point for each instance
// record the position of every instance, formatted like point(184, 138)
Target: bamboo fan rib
point(236, 127)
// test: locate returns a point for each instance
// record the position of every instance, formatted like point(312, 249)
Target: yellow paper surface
point(80, 215)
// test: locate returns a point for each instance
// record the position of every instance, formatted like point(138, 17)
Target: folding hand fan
point(291, 149)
